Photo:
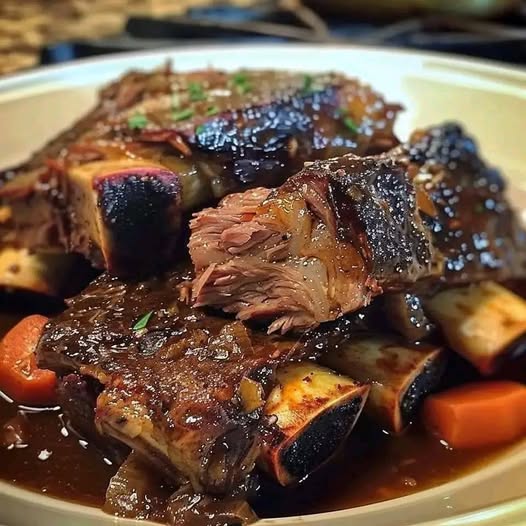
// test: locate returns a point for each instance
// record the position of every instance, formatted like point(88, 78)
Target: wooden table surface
point(28, 25)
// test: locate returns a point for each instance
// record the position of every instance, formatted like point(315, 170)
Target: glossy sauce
point(68, 467)
point(59, 463)
point(386, 468)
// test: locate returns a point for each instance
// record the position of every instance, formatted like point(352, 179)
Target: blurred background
point(34, 32)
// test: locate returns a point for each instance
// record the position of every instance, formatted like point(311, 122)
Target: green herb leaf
point(244, 88)
point(196, 92)
point(241, 83)
point(212, 110)
point(200, 129)
point(308, 80)
point(143, 321)
point(137, 121)
point(182, 115)
point(350, 124)
point(239, 78)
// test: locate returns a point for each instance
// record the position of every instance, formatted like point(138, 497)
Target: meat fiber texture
point(342, 231)
point(114, 187)
point(324, 244)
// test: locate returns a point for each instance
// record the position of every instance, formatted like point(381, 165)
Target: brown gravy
point(60, 464)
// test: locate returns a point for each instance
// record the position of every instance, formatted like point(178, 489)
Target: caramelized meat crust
point(471, 220)
point(345, 230)
point(324, 244)
point(171, 377)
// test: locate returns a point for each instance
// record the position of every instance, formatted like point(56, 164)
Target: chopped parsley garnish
point(239, 78)
point(350, 124)
point(308, 80)
point(143, 321)
point(347, 120)
point(137, 121)
point(241, 82)
point(196, 92)
point(182, 115)
point(212, 110)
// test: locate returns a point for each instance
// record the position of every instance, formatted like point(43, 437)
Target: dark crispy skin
point(206, 134)
point(342, 231)
point(323, 244)
point(171, 391)
point(463, 201)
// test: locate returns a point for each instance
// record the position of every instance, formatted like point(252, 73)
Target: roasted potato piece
point(400, 376)
point(485, 323)
point(40, 273)
point(315, 410)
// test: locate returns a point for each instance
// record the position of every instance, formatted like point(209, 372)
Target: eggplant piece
point(405, 314)
point(400, 375)
point(46, 274)
point(315, 410)
point(485, 323)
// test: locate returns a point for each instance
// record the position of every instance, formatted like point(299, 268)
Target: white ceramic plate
point(488, 98)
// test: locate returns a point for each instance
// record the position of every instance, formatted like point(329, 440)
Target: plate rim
point(494, 467)
point(469, 64)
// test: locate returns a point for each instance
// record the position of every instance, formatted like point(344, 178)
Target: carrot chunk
point(478, 414)
point(20, 378)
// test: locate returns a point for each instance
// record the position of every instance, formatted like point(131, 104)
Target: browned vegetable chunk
point(314, 410)
point(485, 323)
point(400, 376)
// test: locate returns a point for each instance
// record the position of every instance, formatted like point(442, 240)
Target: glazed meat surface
point(159, 144)
point(173, 381)
point(345, 230)
point(466, 208)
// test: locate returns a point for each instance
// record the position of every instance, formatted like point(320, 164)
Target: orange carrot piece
point(20, 378)
point(478, 414)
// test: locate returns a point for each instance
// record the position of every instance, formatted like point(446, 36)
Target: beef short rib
point(324, 244)
point(158, 144)
point(170, 377)
point(345, 230)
